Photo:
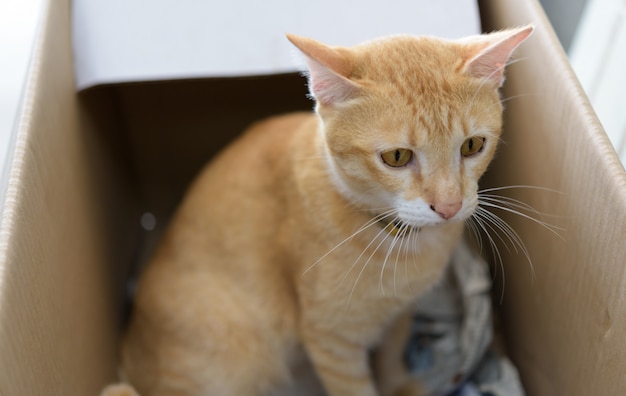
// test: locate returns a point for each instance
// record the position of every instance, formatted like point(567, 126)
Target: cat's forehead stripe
point(441, 121)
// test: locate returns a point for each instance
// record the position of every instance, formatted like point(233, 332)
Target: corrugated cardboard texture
point(60, 239)
point(566, 325)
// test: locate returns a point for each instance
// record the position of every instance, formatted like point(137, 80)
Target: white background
point(18, 24)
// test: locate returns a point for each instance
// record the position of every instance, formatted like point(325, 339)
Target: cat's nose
point(447, 210)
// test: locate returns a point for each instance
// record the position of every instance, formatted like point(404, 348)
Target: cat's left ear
point(329, 70)
point(490, 62)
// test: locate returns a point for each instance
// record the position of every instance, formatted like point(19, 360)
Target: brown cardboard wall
point(565, 323)
point(61, 212)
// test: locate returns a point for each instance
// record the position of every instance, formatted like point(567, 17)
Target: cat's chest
point(388, 287)
point(364, 290)
point(399, 269)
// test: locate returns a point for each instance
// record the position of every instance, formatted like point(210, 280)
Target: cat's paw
point(119, 390)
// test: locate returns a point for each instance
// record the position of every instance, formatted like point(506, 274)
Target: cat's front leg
point(342, 364)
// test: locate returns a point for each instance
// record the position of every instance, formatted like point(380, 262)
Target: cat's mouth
point(397, 228)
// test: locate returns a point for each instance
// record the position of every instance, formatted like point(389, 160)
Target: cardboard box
point(85, 168)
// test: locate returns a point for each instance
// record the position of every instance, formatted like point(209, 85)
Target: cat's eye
point(472, 146)
point(397, 158)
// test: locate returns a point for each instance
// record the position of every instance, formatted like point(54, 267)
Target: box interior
point(88, 166)
point(171, 129)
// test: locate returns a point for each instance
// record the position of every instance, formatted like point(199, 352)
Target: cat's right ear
point(490, 62)
point(329, 69)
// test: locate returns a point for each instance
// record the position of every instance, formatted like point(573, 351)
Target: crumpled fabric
point(449, 349)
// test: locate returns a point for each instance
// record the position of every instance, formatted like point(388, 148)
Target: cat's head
point(411, 123)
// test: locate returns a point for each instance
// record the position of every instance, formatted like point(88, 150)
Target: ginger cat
point(300, 243)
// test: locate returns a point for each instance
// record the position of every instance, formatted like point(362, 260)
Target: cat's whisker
point(496, 228)
point(397, 237)
point(495, 252)
point(409, 242)
point(381, 232)
point(475, 233)
point(382, 210)
point(406, 228)
point(514, 239)
point(485, 215)
point(481, 225)
point(518, 207)
point(512, 61)
point(356, 281)
point(367, 225)
point(471, 224)
point(519, 186)
point(515, 203)
point(413, 238)
point(512, 203)
point(519, 96)
point(553, 229)
point(511, 235)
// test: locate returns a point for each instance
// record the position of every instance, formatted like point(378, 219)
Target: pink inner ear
point(326, 86)
point(329, 69)
point(489, 64)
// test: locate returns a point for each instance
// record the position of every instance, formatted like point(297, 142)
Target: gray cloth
point(449, 349)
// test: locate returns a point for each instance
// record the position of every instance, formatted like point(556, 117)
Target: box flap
point(121, 41)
